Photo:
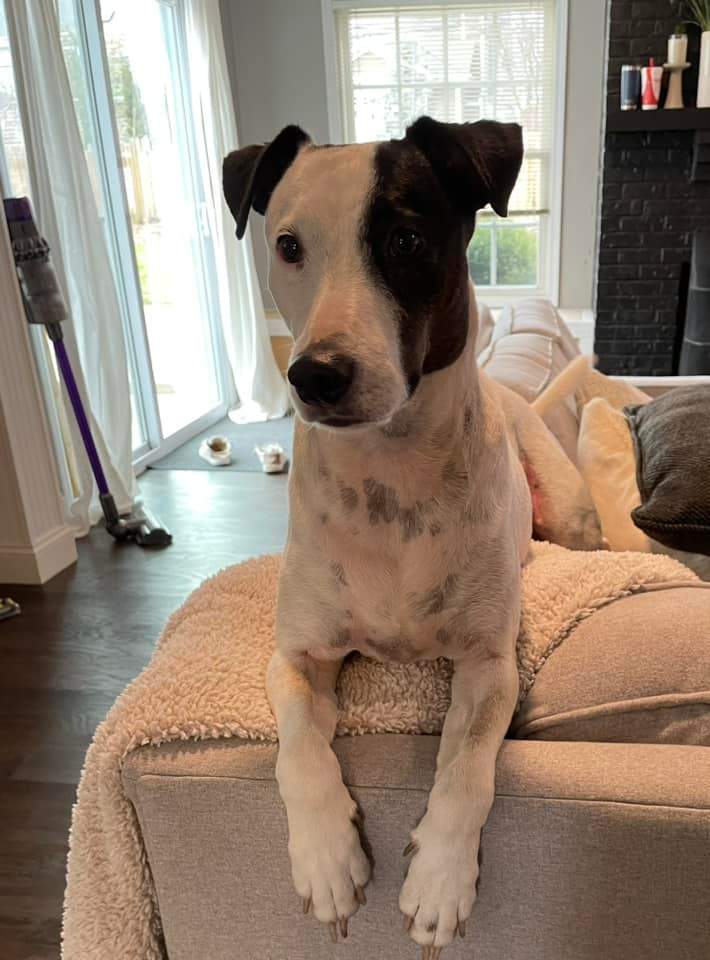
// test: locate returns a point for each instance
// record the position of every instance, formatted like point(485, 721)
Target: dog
point(410, 494)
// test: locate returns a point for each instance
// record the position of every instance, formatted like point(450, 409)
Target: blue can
point(630, 87)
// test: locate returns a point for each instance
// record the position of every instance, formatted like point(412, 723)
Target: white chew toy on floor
point(272, 457)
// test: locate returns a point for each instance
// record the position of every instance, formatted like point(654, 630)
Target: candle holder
point(674, 97)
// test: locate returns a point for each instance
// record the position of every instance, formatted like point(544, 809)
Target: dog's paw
point(329, 867)
point(440, 888)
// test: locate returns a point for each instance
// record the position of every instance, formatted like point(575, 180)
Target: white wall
point(586, 55)
point(35, 541)
point(276, 62)
point(277, 65)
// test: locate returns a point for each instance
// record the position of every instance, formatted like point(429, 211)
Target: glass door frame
point(123, 253)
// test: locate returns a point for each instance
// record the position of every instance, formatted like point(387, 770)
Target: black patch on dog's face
point(430, 287)
point(431, 183)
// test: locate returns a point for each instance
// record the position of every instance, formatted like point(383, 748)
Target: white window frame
point(551, 223)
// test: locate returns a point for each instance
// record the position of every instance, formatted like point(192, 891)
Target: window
point(461, 63)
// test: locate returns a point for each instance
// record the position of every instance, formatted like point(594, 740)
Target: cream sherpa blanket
point(206, 680)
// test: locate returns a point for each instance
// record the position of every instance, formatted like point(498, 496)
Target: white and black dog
point(410, 511)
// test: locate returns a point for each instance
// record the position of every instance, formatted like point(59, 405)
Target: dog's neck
point(445, 406)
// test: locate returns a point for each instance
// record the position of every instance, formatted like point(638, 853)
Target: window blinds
point(454, 62)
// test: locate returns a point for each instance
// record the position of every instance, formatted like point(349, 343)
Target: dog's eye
point(405, 242)
point(289, 248)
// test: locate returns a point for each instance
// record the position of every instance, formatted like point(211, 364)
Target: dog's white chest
point(399, 557)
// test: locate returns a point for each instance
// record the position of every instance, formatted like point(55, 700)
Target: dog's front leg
point(440, 888)
point(327, 861)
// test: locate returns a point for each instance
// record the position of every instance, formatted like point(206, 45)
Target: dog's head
point(368, 254)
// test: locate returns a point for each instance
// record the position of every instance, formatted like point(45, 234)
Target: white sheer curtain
point(261, 388)
point(66, 214)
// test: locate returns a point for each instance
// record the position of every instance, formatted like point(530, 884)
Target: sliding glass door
point(129, 77)
point(153, 124)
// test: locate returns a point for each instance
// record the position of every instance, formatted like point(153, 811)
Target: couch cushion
point(637, 670)
point(486, 326)
point(605, 456)
point(529, 346)
point(606, 459)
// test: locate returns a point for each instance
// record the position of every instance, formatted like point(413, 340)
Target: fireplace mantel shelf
point(646, 121)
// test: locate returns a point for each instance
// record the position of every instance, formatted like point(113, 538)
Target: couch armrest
point(591, 850)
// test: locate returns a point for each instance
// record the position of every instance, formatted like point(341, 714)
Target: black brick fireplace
point(651, 205)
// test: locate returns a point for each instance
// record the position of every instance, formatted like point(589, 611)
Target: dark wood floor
point(80, 639)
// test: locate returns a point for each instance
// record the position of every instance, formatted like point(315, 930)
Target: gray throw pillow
point(671, 438)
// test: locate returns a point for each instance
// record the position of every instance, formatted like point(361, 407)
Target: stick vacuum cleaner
point(45, 305)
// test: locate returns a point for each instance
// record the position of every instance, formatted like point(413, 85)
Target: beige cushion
point(529, 346)
point(607, 461)
point(637, 670)
point(605, 456)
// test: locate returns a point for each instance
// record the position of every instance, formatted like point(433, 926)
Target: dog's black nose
point(318, 383)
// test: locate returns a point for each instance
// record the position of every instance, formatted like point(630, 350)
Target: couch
point(597, 847)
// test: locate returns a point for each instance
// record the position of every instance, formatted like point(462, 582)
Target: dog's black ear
point(476, 163)
point(250, 175)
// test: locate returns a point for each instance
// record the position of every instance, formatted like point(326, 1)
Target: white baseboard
point(276, 325)
point(37, 564)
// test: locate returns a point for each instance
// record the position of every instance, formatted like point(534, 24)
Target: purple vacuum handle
point(45, 305)
point(75, 397)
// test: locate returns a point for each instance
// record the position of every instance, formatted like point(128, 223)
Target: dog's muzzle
point(319, 383)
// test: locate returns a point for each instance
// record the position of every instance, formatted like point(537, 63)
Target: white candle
point(677, 48)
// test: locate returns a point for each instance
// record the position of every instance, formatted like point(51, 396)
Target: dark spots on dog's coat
point(443, 637)
point(383, 506)
point(382, 501)
point(341, 639)
point(394, 648)
point(467, 421)
point(455, 479)
point(348, 497)
point(338, 572)
point(397, 429)
point(435, 528)
point(485, 717)
point(435, 600)
point(323, 517)
point(412, 522)
point(453, 473)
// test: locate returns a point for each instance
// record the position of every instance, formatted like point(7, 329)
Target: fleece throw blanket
point(206, 680)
